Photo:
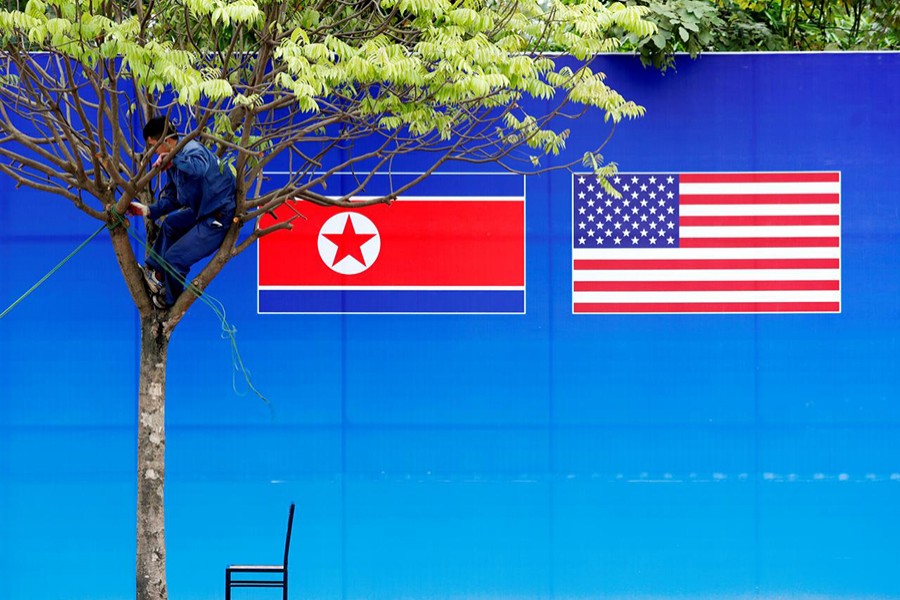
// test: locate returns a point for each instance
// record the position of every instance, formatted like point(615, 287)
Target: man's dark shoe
point(159, 301)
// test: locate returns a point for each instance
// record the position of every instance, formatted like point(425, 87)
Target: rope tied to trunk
point(229, 331)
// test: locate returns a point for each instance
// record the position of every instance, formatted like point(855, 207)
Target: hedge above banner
point(707, 243)
point(454, 245)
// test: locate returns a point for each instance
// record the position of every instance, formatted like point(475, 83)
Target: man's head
point(160, 130)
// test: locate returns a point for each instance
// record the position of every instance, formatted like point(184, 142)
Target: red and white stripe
point(750, 243)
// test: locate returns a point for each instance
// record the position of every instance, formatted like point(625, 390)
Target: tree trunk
point(151, 459)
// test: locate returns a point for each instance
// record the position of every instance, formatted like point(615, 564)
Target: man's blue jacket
point(197, 181)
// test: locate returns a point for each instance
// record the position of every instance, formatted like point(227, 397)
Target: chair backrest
point(287, 538)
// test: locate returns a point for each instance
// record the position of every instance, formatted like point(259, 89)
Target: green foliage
point(827, 24)
point(810, 24)
point(261, 77)
point(694, 26)
point(682, 26)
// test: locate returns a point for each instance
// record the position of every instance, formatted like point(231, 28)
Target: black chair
point(277, 574)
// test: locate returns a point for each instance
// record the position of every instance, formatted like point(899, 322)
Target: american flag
point(707, 243)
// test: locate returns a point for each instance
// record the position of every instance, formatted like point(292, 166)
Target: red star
point(349, 243)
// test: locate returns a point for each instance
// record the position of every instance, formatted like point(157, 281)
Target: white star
point(652, 180)
point(581, 241)
point(582, 225)
point(644, 218)
point(626, 202)
point(634, 210)
point(652, 210)
point(591, 233)
point(590, 202)
point(607, 217)
point(599, 240)
point(608, 233)
point(590, 218)
point(581, 210)
point(662, 202)
point(652, 224)
point(634, 240)
point(670, 179)
point(590, 187)
point(660, 187)
point(670, 195)
point(634, 180)
point(671, 225)
point(670, 210)
point(643, 233)
point(626, 218)
point(581, 180)
point(626, 187)
point(618, 241)
point(662, 218)
point(671, 240)
point(652, 195)
point(643, 187)
point(653, 241)
point(617, 225)
point(617, 179)
point(609, 202)
point(581, 195)
point(617, 210)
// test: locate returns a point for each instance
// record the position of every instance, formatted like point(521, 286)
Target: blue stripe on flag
point(392, 301)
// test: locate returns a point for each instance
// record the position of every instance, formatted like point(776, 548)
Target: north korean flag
point(456, 245)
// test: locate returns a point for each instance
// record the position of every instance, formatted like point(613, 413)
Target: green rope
point(53, 270)
point(228, 330)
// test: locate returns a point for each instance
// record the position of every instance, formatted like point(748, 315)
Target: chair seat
point(257, 568)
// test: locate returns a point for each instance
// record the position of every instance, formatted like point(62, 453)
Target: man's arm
point(167, 201)
point(192, 160)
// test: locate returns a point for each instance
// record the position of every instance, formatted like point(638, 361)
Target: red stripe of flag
point(702, 286)
point(704, 307)
point(761, 220)
point(737, 263)
point(803, 242)
point(758, 177)
point(722, 199)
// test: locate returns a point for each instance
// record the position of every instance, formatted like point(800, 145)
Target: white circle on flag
point(349, 243)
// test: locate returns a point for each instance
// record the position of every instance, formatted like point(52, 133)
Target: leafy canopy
point(260, 78)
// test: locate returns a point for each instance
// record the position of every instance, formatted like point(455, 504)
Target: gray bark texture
point(151, 452)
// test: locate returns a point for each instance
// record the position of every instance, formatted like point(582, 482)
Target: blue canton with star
point(645, 216)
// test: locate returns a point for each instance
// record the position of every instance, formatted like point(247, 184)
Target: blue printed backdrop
point(543, 455)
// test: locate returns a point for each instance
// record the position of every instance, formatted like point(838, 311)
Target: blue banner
point(684, 434)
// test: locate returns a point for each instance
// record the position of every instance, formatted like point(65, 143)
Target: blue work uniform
point(199, 202)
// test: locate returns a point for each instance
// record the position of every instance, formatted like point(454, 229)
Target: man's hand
point(161, 161)
point(137, 209)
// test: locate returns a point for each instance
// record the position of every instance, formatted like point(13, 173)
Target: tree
point(825, 24)
point(263, 79)
point(696, 26)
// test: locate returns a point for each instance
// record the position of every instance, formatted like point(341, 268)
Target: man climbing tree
point(198, 203)
point(324, 86)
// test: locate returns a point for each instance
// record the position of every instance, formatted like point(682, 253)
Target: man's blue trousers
point(182, 241)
